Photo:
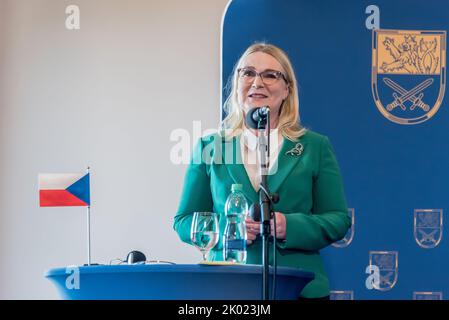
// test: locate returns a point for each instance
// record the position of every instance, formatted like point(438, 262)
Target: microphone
point(257, 115)
point(136, 257)
point(254, 209)
point(254, 212)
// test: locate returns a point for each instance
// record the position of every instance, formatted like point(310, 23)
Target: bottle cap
point(236, 187)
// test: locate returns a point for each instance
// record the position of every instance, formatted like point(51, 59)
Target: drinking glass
point(204, 231)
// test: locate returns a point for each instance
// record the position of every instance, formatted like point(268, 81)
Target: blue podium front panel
point(174, 282)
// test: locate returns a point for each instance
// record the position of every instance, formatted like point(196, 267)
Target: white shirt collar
point(250, 139)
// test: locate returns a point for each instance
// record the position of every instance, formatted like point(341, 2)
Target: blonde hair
point(289, 124)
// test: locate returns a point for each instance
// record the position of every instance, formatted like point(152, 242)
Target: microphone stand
point(264, 198)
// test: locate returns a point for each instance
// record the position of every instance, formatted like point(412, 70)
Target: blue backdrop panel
point(394, 158)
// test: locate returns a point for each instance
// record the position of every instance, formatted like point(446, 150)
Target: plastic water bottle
point(236, 210)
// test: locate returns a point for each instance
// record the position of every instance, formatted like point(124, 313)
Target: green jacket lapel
point(232, 157)
point(286, 163)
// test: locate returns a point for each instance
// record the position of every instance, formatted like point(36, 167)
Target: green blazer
point(311, 196)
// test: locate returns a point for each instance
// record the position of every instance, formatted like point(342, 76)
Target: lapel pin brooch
point(296, 151)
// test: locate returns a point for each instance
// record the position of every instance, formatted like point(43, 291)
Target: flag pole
point(88, 229)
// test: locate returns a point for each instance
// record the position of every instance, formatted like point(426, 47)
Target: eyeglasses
point(268, 77)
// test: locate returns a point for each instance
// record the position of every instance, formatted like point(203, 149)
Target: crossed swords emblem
point(409, 95)
point(428, 237)
point(385, 280)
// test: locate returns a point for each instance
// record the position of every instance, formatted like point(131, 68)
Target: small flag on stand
point(64, 190)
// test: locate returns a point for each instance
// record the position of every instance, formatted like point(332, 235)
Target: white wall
point(108, 96)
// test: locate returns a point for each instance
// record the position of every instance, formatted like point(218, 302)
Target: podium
point(175, 282)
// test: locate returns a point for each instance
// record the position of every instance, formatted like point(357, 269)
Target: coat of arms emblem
point(438, 295)
point(387, 262)
point(408, 74)
point(342, 295)
point(428, 227)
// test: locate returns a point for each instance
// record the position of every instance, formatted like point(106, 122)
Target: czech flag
point(64, 190)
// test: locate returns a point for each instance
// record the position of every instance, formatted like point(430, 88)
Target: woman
point(311, 213)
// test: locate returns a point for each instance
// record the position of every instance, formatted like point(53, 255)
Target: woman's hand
point(252, 230)
point(281, 226)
